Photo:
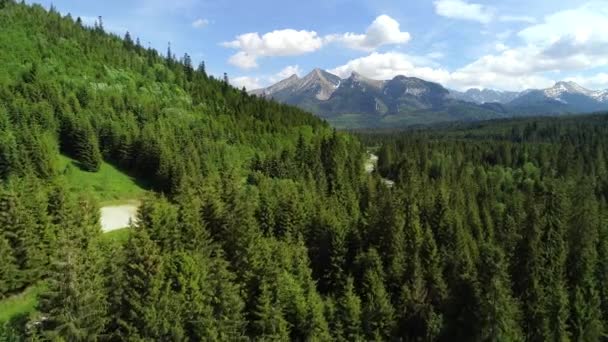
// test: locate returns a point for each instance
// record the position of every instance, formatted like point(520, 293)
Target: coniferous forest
point(261, 222)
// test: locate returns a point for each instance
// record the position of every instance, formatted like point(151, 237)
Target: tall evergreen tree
point(498, 311)
point(74, 307)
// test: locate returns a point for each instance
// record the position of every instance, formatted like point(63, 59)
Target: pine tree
point(19, 229)
point(378, 312)
point(226, 302)
point(602, 269)
point(349, 313)
point(586, 316)
point(201, 69)
point(74, 306)
point(554, 279)
point(188, 69)
point(99, 24)
point(498, 311)
point(87, 150)
point(528, 272)
point(142, 285)
point(128, 40)
point(269, 323)
point(8, 268)
point(8, 154)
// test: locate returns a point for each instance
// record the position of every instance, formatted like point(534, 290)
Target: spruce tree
point(349, 313)
point(142, 285)
point(586, 316)
point(74, 307)
point(8, 268)
point(498, 310)
point(269, 323)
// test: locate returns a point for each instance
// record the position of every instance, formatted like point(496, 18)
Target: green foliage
point(261, 222)
point(20, 304)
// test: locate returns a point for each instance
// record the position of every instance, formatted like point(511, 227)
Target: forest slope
point(262, 223)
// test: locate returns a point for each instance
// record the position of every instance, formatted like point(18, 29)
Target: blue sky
point(509, 44)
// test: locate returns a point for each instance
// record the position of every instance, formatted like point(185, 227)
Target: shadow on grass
point(141, 182)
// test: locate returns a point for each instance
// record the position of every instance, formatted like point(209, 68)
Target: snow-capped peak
point(569, 87)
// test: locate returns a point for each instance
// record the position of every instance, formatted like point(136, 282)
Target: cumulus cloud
point(250, 83)
point(580, 22)
point(243, 60)
point(286, 42)
point(463, 10)
point(598, 81)
point(578, 34)
point(383, 66)
point(200, 23)
point(383, 31)
point(535, 57)
point(459, 9)
point(288, 71)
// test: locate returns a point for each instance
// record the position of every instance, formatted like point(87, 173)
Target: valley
point(145, 197)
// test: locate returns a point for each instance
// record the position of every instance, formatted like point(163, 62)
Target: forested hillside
point(263, 224)
point(504, 228)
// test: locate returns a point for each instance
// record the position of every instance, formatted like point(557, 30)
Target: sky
point(505, 45)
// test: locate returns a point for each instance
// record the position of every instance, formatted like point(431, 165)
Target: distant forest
point(263, 224)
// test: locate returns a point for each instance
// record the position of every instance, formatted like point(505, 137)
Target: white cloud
point(500, 47)
point(383, 66)
point(286, 42)
point(599, 81)
point(383, 31)
point(200, 23)
point(578, 34)
point(243, 60)
point(250, 83)
point(459, 9)
point(590, 18)
point(570, 42)
point(288, 71)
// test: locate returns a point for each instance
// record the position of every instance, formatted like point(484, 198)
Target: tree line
point(263, 224)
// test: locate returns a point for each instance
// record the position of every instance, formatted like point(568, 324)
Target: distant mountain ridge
point(358, 101)
point(481, 96)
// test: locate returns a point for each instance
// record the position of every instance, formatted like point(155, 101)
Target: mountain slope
point(563, 97)
point(484, 96)
point(357, 101)
point(361, 102)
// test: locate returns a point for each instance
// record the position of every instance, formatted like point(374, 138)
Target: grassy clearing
point(119, 236)
point(22, 303)
point(109, 184)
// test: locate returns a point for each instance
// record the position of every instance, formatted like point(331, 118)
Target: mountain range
point(360, 102)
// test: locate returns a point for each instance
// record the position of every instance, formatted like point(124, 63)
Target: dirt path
point(114, 217)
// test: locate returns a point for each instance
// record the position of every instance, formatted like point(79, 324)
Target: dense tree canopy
point(263, 224)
